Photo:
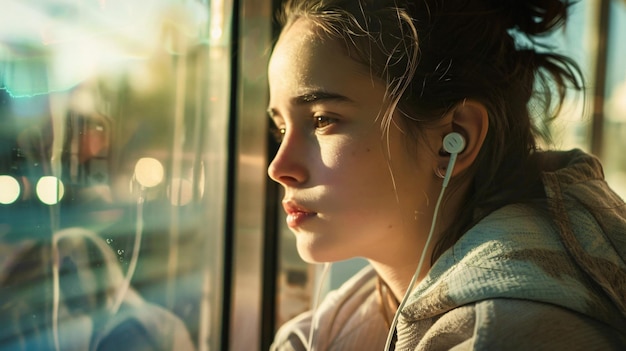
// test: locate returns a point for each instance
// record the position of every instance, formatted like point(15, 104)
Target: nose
point(289, 167)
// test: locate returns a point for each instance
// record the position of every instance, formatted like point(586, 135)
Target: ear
point(471, 120)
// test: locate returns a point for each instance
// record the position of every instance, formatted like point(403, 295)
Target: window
point(113, 173)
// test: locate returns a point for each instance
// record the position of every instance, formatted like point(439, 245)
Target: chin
point(314, 254)
point(309, 256)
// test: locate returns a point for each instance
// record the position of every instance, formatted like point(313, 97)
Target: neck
point(397, 273)
point(398, 278)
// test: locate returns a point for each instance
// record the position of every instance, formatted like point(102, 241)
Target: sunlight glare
point(50, 190)
point(9, 189)
point(149, 172)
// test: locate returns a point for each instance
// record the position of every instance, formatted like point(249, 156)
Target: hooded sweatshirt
point(94, 312)
point(549, 276)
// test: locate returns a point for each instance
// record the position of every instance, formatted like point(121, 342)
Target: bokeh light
point(9, 189)
point(50, 190)
point(149, 172)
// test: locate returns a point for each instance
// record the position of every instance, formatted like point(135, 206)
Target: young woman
point(407, 139)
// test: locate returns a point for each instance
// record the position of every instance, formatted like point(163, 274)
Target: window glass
point(113, 120)
point(593, 39)
point(614, 141)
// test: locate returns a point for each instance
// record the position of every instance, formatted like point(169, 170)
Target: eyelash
point(319, 122)
point(278, 133)
point(326, 121)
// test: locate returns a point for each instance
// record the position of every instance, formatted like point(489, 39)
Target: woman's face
point(351, 190)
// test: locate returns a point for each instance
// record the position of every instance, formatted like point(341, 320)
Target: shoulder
point(347, 318)
point(143, 326)
point(515, 253)
point(294, 334)
point(514, 324)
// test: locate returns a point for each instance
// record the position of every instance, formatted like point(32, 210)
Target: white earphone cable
point(125, 284)
point(316, 302)
point(394, 323)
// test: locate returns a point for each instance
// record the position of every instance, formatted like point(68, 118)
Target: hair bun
point(534, 17)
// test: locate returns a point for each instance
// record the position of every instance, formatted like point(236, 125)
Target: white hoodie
point(550, 276)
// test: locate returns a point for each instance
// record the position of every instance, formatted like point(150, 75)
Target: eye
point(278, 133)
point(323, 121)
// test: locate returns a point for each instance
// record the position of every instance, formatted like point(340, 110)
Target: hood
point(568, 251)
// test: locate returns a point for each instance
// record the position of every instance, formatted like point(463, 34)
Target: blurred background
point(133, 151)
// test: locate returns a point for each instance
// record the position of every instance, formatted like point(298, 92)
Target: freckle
point(368, 149)
point(390, 226)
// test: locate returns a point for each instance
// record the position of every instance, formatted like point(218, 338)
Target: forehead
point(304, 58)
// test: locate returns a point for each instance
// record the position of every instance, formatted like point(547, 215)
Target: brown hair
point(433, 54)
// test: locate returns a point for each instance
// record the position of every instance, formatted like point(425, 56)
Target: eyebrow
point(314, 97)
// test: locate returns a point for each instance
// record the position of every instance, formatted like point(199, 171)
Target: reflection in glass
point(50, 190)
point(9, 189)
point(149, 172)
point(180, 192)
point(75, 285)
point(113, 120)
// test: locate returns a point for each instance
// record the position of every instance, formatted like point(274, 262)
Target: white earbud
point(453, 143)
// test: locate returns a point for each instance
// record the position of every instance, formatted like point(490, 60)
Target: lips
point(296, 214)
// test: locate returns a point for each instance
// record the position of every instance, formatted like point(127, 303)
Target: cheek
point(360, 169)
point(350, 154)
